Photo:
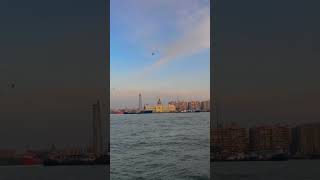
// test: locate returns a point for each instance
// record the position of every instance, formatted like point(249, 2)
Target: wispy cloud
point(195, 38)
point(146, 20)
point(177, 28)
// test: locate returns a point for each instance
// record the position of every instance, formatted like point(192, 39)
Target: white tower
point(140, 102)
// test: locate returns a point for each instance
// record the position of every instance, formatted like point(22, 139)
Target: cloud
point(145, 21)
point(195, 38)
point(177, 28)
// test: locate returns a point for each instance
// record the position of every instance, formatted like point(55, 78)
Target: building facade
point(97, 130)
point(160, 108)
point(194, 106)
point(180, 105)
point(306, 139)
point(205, 106)
point(270, 138)
point(229, 141)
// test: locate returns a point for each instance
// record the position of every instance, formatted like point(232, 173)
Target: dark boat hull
point(141, 112)
point(129, 113)
point(145, 112)
point(99, 161)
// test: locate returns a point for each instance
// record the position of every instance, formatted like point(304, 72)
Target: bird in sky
point(155, 51)
point(12, 85)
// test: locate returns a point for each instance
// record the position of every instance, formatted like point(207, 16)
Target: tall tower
point(159, 102)
point(97, 130)
point(140, 102)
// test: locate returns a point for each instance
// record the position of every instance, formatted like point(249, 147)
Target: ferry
point(129, 112)
point(76, 160)
point(139, 112)
point(145, 112)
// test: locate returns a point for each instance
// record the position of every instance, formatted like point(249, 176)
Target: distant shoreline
point(290, 159)
point(163, 113)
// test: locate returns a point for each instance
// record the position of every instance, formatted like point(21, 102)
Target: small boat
point(145, 112)
point(129, 113)
point(71, 161)
point(31, 160)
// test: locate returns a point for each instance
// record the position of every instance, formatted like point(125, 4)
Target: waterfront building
point(194, 105)
point(260, 138)
point(306, 139)
point(281, 138)
point(175, 103)
point(97, 130)
point(180, 105)
point(150, 108)
point(165, 108)
point(270, 138)
point(160, 108)
point(205, 106)
point(229, 141)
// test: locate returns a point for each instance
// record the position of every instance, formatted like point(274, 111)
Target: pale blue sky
point(179, 30)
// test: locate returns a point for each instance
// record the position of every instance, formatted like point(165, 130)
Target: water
point(54, 173)
point(166, 146)
point(160, 146)
point(266, 170)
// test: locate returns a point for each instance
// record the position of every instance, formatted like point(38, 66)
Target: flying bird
point(11, 85)
point(155, 51)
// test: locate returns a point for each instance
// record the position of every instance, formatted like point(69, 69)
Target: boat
point(31, 160)
point(139, 112)
point(145, 112)
point(70, 161)
point(129, 113)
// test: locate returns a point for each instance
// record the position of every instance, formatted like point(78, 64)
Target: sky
point(178, 31)
point(54, 53)
point(267, 61)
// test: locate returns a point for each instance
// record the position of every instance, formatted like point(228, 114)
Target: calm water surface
point(54, 173)
point(266, 170)
point(160, 146)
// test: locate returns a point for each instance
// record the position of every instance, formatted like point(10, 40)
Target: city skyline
point(161, 54)
point(153, 100)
